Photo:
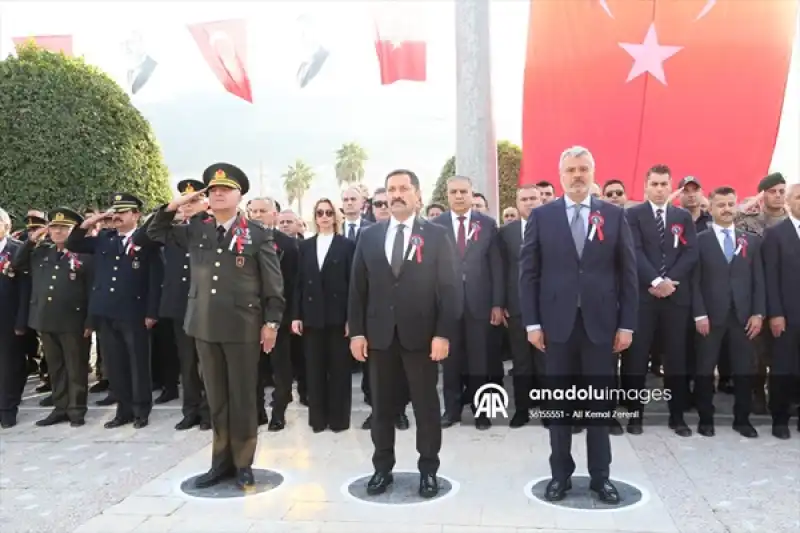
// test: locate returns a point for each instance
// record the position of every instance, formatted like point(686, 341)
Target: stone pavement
point(93, 480)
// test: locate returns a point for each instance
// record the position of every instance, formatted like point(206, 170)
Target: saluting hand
point(37, 235)
point(185, 199)
point(358, 347)
point(440, 348)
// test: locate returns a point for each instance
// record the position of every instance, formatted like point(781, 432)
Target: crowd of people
point(213, 301)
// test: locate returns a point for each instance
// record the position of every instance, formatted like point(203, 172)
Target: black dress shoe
point(781, 432)
point(213, 477)
point(557, 490)
point(606, 491)
point(337, 429)
point(167, 395)
point(47, 401)
point(679, 427)
point(745, 429)
point(706, 429)
point(108, 400)
point(318, 429)
point(634, 426)
point(140, 422)
point(615, 428)
point(52, 419)
point(450, 420)
point(100, 386)
point(482, 423)
point(428, 486)
point(188, 422)
point(263, 419)
point(44, 387)
point(8, 421)
point(77, 422)
point(277, 423)
point(117, 422)
point(205, 425)
point(367, 423)
point(519, 419)
point(379, 482)
point(245, 479)
point(402, 422)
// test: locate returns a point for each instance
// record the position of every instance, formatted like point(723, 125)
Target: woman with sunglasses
point(319, 314)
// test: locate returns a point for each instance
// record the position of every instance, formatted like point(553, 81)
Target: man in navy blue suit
point(579, 298)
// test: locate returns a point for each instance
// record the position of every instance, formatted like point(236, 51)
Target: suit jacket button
point(51, 287)
point(216, 264)
point(187, 254)
point(49, 298)
point(215, 278)
point(219, 250)
point(183, 279)
point(54, 277)
point(213, 291)
point(111, 289)
point(185, 267)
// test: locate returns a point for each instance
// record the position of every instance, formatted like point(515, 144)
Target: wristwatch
point(272, 325)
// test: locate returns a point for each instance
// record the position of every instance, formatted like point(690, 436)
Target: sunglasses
point(380, 204)
point(611, 194)
point(325, 212)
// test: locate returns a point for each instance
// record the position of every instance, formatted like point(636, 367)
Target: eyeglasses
point(618, 194)
point(380, 204)
point(325, 212)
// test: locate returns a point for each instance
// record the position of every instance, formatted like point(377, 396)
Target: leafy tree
point(71, 137)
point(350, 159)
point(296, 182)
point(509, 157)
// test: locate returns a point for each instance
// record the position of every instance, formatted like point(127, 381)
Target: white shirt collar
point(586, 202)
point(467, 216)
point(720, 229)
point(795, 223)
point(655, 207)
point(356, 223)
point(393, 222)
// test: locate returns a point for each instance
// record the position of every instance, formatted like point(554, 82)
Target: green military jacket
point(60, 287)
point(236, 285)
point(757, 223)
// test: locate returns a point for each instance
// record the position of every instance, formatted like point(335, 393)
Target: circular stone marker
point(266, 480)
point(579, 497)
point(403, 491)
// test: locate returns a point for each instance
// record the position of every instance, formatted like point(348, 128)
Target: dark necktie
point(351, 232)
point(220, 234)
point(397, 250)
point(662, 270)
point(461, 238)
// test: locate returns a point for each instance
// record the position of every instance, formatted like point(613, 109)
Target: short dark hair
point(613, 182)
point(400, 171)
point(481, 196)
point(658, 169)
point(725, 190)
point(379, 190)
point(545, 183)
point(434, 205)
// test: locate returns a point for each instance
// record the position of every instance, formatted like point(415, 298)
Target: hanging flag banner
point(223, 45)
point(140, 64)
point(314, 53)
point(657, 82)
point(399, 43)
point(52, 43)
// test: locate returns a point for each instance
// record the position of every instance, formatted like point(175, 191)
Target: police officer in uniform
point(61, 282)
point(235, 309)
point(124, 300)
point(172, 311)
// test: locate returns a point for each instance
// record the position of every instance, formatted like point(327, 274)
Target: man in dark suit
point(234, 312)
point(14, 293)
point(781, 251)
point(578, 295)
point(666, 253)
point(528, 362)
point(481, 271)
point(61, 283)
point(728, 302)
point(125, 294)
point(172, 311)
point(402, 312)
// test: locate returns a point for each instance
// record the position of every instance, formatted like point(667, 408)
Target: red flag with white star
point(224, 47)
point(695, 84)
point(52, 43)
point(400, 44)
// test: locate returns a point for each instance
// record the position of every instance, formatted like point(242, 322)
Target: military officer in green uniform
point(772, 197)
point(234, 311)
point(61, 282)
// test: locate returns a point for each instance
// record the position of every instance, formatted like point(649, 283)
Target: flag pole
point(476, 146)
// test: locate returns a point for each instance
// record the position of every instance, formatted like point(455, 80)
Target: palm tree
point(296, 181)
point(350, 159)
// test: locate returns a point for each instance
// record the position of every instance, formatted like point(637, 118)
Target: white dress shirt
point(323, 245)
point(523, 223)
point(467, 218)
point(356, 224)
point(795, 223)
point(587, 207)
point(657, 281)
point(721, 240)
point(392, 231)
point(3, 242)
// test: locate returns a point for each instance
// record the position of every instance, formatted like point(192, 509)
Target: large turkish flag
point(224, 47)
point(694, 84)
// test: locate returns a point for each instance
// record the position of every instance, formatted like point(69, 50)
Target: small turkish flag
point(694, 84)
point(52, 43)
point(401, 49)
point(224, 47)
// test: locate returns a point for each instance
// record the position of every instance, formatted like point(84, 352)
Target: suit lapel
point(417, 230)
point(331, 251)
point(515, 239)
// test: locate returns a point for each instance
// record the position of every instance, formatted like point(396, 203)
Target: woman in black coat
point(319, 314)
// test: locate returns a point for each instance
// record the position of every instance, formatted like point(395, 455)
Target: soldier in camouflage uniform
point(772, 194)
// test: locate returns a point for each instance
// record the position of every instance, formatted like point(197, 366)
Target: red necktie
point(461, 240)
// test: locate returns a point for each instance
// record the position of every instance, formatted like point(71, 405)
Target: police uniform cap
point(226, 175)
point(190, 186)
point(64, 216)
point(776, 178)
point(35, 222)
point(123, 201)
